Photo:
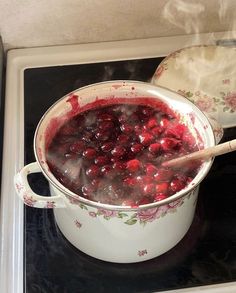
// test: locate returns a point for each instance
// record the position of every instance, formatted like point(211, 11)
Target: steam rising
point(222, 9)
point(188, 15)
point(195, 17)
point(206, 77)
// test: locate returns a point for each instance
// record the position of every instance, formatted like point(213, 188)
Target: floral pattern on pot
point(28, 199)
point(142, 216)
point(142, 252)
point(78, 224)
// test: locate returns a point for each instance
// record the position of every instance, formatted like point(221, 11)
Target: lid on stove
point(206, 75)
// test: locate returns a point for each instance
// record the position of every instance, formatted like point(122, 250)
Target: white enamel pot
point(108, 232)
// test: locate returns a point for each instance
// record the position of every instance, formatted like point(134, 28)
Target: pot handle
point(28, 196)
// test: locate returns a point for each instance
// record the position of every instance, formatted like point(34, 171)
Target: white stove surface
point(11, 213)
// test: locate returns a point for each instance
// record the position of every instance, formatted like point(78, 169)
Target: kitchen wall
point(28, 23)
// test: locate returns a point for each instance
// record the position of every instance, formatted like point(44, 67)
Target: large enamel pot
point(115, 233)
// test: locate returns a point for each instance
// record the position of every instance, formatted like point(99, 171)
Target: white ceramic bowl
point(108, 232)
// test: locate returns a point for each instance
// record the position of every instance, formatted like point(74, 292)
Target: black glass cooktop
point(206, 255)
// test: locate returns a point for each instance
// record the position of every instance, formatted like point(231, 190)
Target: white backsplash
point(29, 23)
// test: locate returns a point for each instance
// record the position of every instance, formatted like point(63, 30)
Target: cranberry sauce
point(113, 154)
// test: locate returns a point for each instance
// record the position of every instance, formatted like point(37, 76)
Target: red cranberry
point(126, 128)
point(130, 155)
point(164, 123)
point(133, 165)
point(137, 148)
point(169, 143)
point(130, 181)
point(123, 118)
point(157, 131)
point(137, 129)
point(147, 111)
point(163, 174)
point(146, 138)
point(154, 148)
point(151, 170)
point(77, 147)
point(89, 153)
point(107, 146)
point(123, 138)
point(106, 125)
point(105, 169)
point(175, 131)
point(162, 187)
point(102, 135)
point(176, 185)
point(188, 141)
point(101, 160)
point(87, 136)
point(108, 172)
point(148, 188)
point(92, 171)
point(118, 151)
point(152, 122)
point(119, 166)
point(142, 179)
point(150, 156)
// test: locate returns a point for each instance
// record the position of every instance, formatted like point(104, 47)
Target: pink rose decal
point(230, 101)
point(205, 103)
point(50, 205)
point(28, 200)
point(142, 252)
point(176, 203)
point(108, 213)
point(150, 215)
point(226, 81)
point(19, 187)
point(93, 214)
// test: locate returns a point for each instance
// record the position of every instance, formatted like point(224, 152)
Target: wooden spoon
point(204, 154)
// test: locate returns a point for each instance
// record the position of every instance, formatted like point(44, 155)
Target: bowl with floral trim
point(206, 75)
point(101, 148)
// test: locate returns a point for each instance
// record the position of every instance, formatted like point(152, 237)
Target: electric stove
point(35, 257)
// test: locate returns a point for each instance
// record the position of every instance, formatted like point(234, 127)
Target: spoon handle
point(204, 154)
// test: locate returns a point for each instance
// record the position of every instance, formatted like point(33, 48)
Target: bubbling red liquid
point(113, 154)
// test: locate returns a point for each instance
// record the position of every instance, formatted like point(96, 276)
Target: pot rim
point(71, 195)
